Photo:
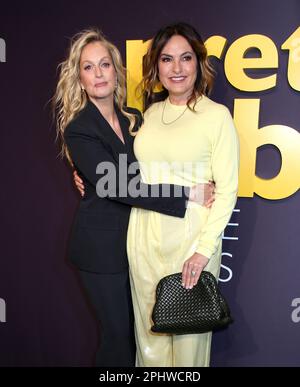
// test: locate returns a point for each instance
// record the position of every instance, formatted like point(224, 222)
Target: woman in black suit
point(95, 127)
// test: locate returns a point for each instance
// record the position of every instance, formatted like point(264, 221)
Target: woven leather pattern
point(183, 311)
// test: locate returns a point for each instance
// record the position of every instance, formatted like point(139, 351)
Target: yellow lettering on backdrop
point(235, 63)
point(135, 50)
point(293, 44)
point(246, 111)
point(215, 46)
point(286, 139)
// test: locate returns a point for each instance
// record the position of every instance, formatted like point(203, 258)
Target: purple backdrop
point(47, 320)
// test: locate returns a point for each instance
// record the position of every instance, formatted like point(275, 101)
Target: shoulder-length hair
point(69, 99)
point(205, 72)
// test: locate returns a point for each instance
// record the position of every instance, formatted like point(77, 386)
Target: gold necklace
point(171, 122)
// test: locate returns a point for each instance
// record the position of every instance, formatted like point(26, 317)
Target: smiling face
point(177, 68)
point(97, 72)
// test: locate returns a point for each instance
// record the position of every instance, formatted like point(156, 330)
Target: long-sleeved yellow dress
point(178, 146)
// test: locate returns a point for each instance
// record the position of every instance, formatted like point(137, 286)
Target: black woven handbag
point(184, 311)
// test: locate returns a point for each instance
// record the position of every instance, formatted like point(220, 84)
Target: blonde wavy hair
point(69, 99)
point(205, 73)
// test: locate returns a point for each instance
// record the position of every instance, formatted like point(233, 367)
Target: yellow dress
point(178, 146)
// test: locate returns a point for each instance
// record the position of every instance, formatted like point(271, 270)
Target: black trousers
point(110, 297)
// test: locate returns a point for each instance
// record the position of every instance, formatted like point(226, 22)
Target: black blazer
point(98, 237)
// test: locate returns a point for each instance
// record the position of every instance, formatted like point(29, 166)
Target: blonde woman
point(95, 128)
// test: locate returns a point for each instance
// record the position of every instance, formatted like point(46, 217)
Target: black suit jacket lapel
point(105, 130)
point(128, 138)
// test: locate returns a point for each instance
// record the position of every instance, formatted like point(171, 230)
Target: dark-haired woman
point(186, 139)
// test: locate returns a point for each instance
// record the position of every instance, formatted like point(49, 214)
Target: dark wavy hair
point(205, 72)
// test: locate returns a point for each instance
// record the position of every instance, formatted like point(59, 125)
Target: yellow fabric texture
point(178, 146)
